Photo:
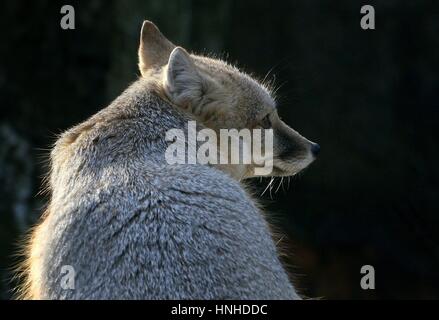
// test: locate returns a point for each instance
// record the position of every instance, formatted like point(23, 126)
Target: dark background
point(370, 98)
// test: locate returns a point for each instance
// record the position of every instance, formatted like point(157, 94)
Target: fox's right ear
point(154, 48)
point(182, 82)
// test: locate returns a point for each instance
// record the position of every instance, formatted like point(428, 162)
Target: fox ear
point(154, 48)
point(182, 82)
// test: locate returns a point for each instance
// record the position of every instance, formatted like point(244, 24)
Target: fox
point(132, 226)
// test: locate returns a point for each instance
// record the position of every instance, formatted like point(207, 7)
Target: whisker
point(280, 183)
point(279, 241)
point(283, 185)
point(274, 92)
point(271, 187)
point(268, 186)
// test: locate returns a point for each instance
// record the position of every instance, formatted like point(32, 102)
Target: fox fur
point(133, 226)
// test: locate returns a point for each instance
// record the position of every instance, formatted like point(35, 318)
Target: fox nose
point(315, 149)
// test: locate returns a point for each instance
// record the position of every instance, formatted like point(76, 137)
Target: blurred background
point(369, 98)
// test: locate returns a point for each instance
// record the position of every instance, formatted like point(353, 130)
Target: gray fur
point(134, 227)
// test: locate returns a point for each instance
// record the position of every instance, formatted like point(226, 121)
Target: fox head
point(220, 96)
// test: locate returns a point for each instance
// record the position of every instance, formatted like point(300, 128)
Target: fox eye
point(266, 122)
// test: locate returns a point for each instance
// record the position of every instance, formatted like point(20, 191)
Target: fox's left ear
point(154, 48)
point(183, 83)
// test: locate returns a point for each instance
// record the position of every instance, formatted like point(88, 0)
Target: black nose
point(315, 149)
